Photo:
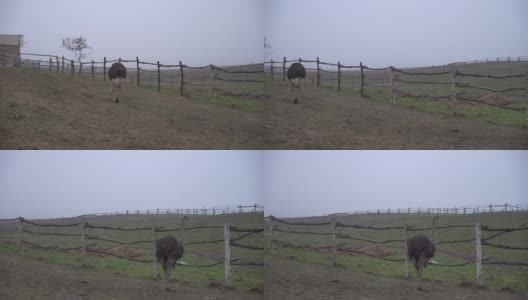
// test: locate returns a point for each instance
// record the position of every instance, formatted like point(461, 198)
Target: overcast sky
point(41, 184)
point(198, 32)
point(311, 183)
point(400, 33)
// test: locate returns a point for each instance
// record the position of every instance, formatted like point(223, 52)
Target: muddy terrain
point(287, 279)
point(27, 278)
point(324, 120)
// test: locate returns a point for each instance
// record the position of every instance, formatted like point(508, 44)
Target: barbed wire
point(49, 233)
point(370, 255)
point(466, 85)
point(484, 242)
point(299, 223)
point(93, 237)
point(491, 104)
point(420, 82)
point(301, 232)
point(49, 225)
point(247, 246)
point(421, 73)
point(490, 76)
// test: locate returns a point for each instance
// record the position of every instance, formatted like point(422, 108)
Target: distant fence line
point(274, 226)
point(84, 247)
point(491, 208)
point(453, 97)
point(219, 210)
point(211, 77)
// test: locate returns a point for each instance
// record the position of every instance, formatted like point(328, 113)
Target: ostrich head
point(117, 73)
point(296, 73)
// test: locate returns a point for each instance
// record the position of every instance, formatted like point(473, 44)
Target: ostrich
point(116, 73)
point(420, 249)
point(296, 73)
point(169, 250)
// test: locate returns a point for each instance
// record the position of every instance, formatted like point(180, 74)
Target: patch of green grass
point(243, 277)
point(494, 276)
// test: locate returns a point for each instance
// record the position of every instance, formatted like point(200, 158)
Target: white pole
point(82, 243)
point(227, 250)
point(154, 263)
point(406, 264)
point(479, 252)
point(334, 240)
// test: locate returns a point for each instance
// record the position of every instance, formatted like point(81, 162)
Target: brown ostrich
point(169, 250)
point(296, 73)
point(420, 249)
point(117, 73)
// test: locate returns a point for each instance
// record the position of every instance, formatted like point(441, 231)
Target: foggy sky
point(43, 184)
point(198, 32)
point(401, 33)
point(312, 183)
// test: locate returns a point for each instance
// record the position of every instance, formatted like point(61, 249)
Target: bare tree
point(77, 45)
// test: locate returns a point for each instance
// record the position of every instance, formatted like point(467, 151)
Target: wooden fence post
point(72, 64)
point(284, 69)
point(454, 91)
point(479, 252)
point(318, 72)
point(63, 65)
point(38, 65)
point(272, 244)
point(212, 88)
point(159, 79)
point(93, 70)
point(392, 84)
point(271, 70)
point(334, 242)
point(362, 78)
point(338, 77)
point(154, 263)
point(227, 259)
point(406, 264)
point(57, 61)
point(526, 92)
point(137, 69)
point(181, 79)
point(50, 63)
point(434, 229)
point(104, 68)
point(20, 237)
point(80, 68)
point(83, 251)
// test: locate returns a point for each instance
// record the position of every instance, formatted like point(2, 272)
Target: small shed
point(10, 45)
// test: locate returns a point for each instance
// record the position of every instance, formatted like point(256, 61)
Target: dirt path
point(49, 111)
point(323, 120)
point(30, 279)
point(286, 279)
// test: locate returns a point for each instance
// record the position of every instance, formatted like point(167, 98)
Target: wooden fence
point(219, 210)
point(85, 237)
point(230, 81)
point(336, 247)
point(491, 208)
point(371, 77)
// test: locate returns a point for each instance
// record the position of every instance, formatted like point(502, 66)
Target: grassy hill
point(494, 276)
point(243, 277)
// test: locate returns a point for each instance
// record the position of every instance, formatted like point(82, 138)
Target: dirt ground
point(49, 111)
point(30, 279)
point(324, 120)
point(287, 279)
